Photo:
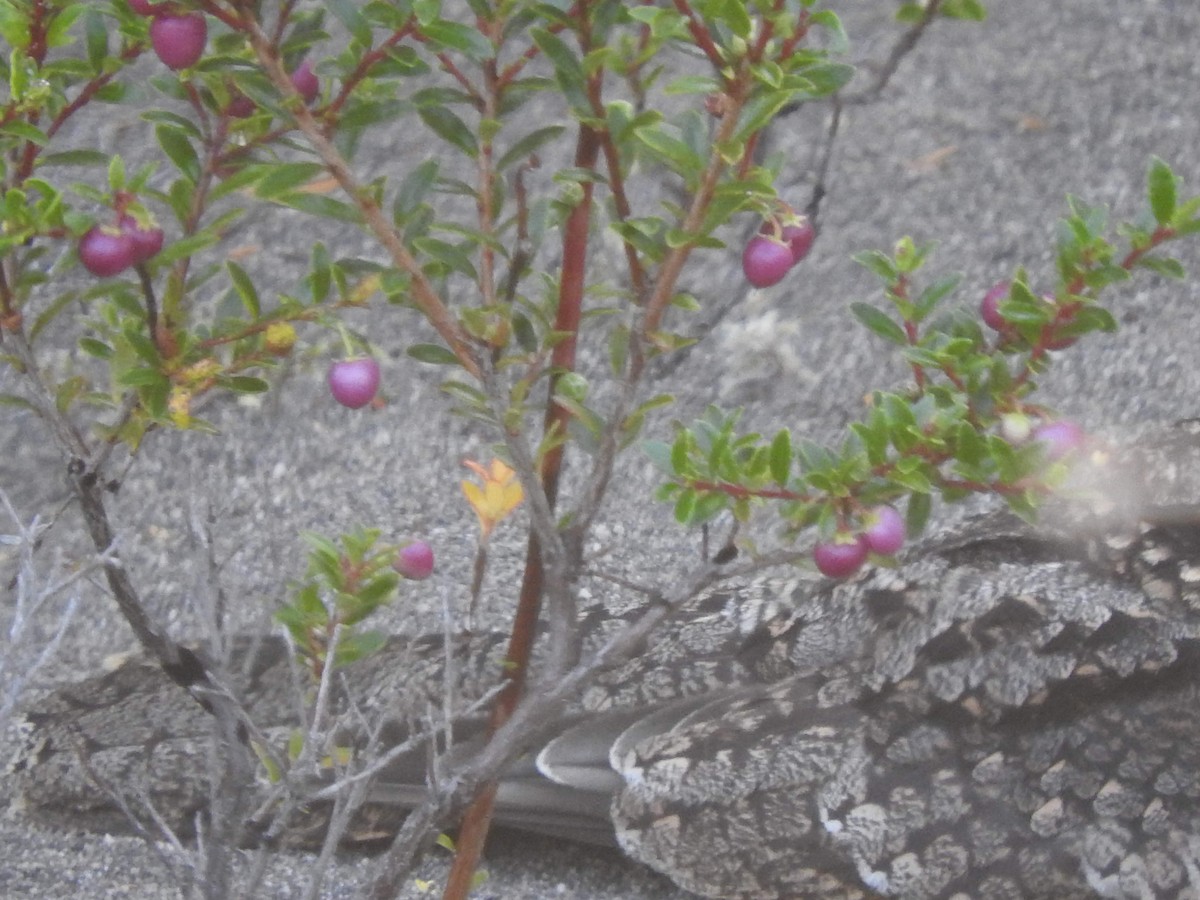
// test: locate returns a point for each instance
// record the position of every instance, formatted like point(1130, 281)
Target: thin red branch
point(369, 60)
point(668, 273)
point(423, 293)
point(701, 36)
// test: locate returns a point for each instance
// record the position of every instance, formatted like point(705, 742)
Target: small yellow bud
point(200, 372)
point(179, 404)
point(279, 338)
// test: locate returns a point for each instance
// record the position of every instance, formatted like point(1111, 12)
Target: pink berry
point(1060, 438)
point(146, 241)
point(989, 309)
point(841, 557)
point(800, 236)
point(415, 561)
point(305, 81)
point(765, 261)
point(353, 382)
point(179, 40)
point(884, 532)
point(240, 107)
point(106, 251)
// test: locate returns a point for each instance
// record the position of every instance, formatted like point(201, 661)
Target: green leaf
point(568, 70)
point(96, 39)
point(1167, 266)
point(246, 384)
point(179, 150)
point(184, 247)
point(879, 263)
point(450, 128)
point(732, 13)
point(826, 77)
point(681, 454)
point(414, 188)
point(95, 348)
point(463, 38)
point(1161, 188)
point(286, 177)
point(693, 84)
point(917, 514)
point(349, 15)
point(780, 456)
point(359, 646)
point(879, 322)
point(685, 503)
point(836, 40)
point(759, 112)
point(934, 294)
point(377, 590)
point(116, 173)
point(707, 506)
point(245, 288)
point(326, 207)
point(80, 157)
point(12, 400)
point(970, 10)
point(915, 481)
point(434, 354)
point(528, 145)
point(56, 34)
point(674, 152)
point(659, 454)
point(68, 392)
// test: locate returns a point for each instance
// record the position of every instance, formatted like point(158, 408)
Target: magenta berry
point(353, 382)
point(841, 557)
point(305, 81)
point(415, 561)
point(240, 107)
point(1059, 438)
point(884, 531)
point(989, 309)
point(179, 40)
point(106, 251)
point(146, 241)
point(765, 261)
point(799, 236)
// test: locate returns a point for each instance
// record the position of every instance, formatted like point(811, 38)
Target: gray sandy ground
point(975, 144)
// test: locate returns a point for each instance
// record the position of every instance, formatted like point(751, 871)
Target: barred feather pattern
point(1010, 712)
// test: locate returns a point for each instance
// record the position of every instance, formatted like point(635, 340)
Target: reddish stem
point(369, 60)
point(476, 821)
point(701, 36)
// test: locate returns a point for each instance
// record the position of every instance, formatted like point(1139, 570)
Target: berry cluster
point(771, 253)
point(179, 39)
point(883, 529)
point(107, 250)
point(882, 533)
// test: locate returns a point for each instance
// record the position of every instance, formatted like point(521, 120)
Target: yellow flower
point(498, 496)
